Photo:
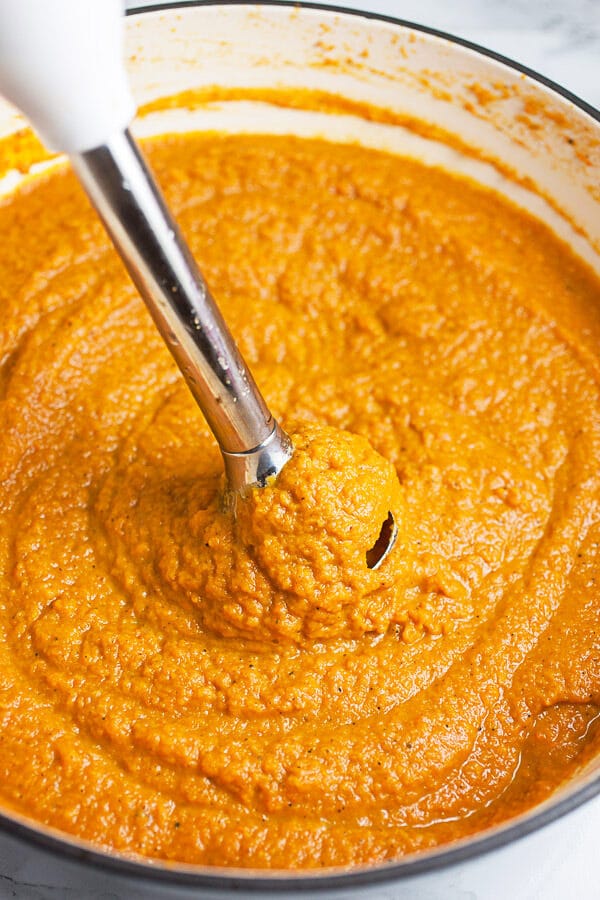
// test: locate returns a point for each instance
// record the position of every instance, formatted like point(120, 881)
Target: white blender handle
point(61, 63)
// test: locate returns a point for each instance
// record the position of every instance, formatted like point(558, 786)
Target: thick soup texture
point(181, 682)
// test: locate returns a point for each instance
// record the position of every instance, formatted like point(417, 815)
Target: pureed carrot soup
point(182, 683)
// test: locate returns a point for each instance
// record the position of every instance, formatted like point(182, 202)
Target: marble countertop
point(561, 41)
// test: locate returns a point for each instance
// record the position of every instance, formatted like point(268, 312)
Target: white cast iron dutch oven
point(511, 130)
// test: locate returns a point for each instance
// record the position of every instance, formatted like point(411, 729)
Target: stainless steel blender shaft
point(135, 215)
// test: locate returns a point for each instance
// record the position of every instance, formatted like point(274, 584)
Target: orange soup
point(182, 682)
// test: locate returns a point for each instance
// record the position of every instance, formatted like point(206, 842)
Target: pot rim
point(272, 881)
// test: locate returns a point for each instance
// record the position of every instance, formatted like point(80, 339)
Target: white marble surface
point(560, 39)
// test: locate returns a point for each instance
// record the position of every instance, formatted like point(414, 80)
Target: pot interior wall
point(504, 115)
